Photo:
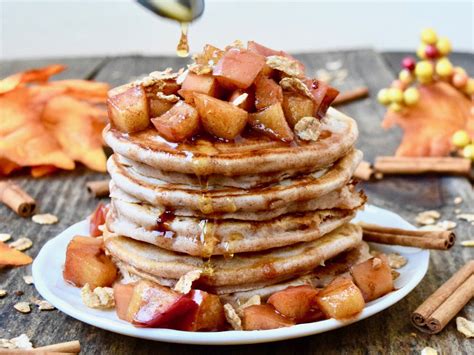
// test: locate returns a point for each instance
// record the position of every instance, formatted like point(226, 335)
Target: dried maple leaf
point(12, 257)
point(429, 125)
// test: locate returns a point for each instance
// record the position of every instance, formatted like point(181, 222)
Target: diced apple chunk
point(237, 69)
point(323, 96)
point(271, 121)
point(341, 299)
point(179, 123)
point(153, 305)
point(267, 92)
point(261, 317)
point(255, 47)
point(220, 118)
point(122, 296)
point(128, 110)
point(204, 84)
point(294, 302)
point(373, 277)
point(97, 219)
point(296, 106)
point(86, 262)
point(209, 315)
point(209, 55)
point(159, 106)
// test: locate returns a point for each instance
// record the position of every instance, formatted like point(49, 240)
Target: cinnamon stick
point(364, 171)
point(440, 240)
point(17, 199)
point(436, 312)
point(98, 188)
point(421, 165)
point(352, 95)
point(70, 347)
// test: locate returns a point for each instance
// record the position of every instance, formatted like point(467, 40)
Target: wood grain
point(388, 332)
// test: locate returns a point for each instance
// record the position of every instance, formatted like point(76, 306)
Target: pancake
point(230, 200)
point(239, 181)
point(345, 198)
point(203, 237)
point(252, 155)
point(243, 271)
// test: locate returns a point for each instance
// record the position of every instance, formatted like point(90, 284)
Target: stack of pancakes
point(254, 215)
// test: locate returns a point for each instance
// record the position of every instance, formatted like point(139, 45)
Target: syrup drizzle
point(182, 50)
point(163, 223)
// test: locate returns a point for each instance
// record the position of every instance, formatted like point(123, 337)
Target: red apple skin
point(156, 306)
point(209, 316)
point(97, 219)
point(323, 96)
point(122, 296)
point(267, 92)
point(237, 69)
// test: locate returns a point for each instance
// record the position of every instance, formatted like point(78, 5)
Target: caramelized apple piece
point(255, 47)
point(341, 299)
point(220, 118)
point(272, 122)
point(153, 305)
point(128, 110)
point(122, 296)
point(323, 96)
point(248, 104)
point(159, 106)
point(204, 84)
point(238, 68)
point(294, 302)
point(86, 262)
point(209, 55)
point(179, 123)
point(267, 92)
point(97, 219)
point(373, 277)
point(264, 316)
point(208, 316)
point(296, 106)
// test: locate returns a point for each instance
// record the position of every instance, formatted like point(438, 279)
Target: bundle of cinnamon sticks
point(436, 312)
point(440, 240)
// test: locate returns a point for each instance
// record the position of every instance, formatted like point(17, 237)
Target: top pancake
point(244, 156)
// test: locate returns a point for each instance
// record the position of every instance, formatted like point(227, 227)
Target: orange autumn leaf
point(12, 257)
point(429, 125)
point(49, 125)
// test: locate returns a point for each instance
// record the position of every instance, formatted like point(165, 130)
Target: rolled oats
point(28, 279)
point(185, 282)
point(4, 237)
point(296, 85)
point(43, 305)
point(99, 298)
point(252, 301)
point(239, 99)
point(3, 293)
point(396, 261)
point(23, 307)
point(286, 65)
point(45, 218)
point(458, 200)
point(232, 317)
point(429, 351)
point(21, 244)
point(308, 128)
point(469, 217)
point(427, 217)
point(20, 342)
point(169, 98)
point(465, 327)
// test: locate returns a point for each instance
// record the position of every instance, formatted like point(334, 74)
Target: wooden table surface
point(390, 331)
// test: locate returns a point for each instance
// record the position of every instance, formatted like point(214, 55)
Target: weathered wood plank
point(386, 332)
point(83, 68)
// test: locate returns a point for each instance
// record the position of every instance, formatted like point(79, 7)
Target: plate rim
point(217, 338)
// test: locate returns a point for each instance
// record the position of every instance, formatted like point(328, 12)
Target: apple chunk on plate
point(294, 302)
point(122, 295)
point(220, 118)
point(179, 123)
point(373, 277)
point(128, 110)
point(153, 305)
point(341, 299)
point(237, 69)
point(272, 122)
point(263, 316)
point(86, 262)
point(208, 316)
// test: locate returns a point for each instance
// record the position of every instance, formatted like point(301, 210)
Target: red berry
point(409, 63)
point(431, 51)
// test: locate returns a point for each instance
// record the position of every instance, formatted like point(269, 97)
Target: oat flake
point(185, 282)
point(23, 307)
point(465, 327)
point(45, 218)
point(21, 244)
point(232, 317)
point(3, 293)
point(308, 129)
point(4, 237)
point(396, 261)
point(28, 279)
point(20, 342)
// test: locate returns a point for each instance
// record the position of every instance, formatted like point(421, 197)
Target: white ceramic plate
point(48, 266)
